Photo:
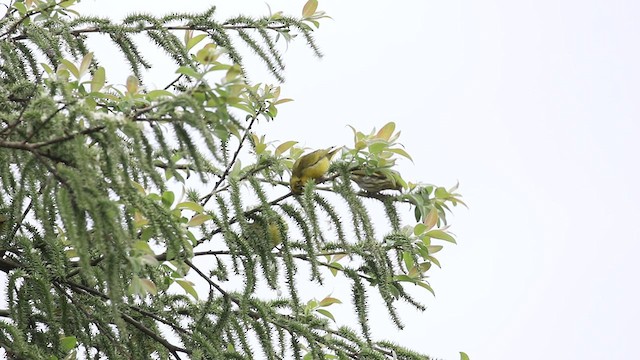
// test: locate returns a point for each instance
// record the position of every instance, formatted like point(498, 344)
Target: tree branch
point(207, 197)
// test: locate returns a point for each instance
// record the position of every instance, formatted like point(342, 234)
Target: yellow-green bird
point(310, 166)
point(272, 230)
point(377, 181)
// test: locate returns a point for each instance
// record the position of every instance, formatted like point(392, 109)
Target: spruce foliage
point(100, 249)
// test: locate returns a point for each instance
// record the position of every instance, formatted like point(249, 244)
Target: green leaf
point(431, 219)
point(309, 8)
point(386, 131)
point(312, 304)
point(20, 7)
point(435, 261)
point(439, 234)
point(419, 229)
point(168, 197)
point(285, 146)
point(188, 287)
point(84, 65)
point(138, 187)
point(132, 84)
point(426, 286)
point(185, 70)
point(68, 342)
point(326, 313)
point(401, 152)
point(329, 301)
point(199, 220)
point(441, 193)
point(335, 267)
point(195, 40)
point(190, 205)
point(98, 79)
point(46, 67)
point(282, 101)
point(424, 267)
point(233, 73)
point(142, 246)
point(404, 278)
point(155, 94)
point(149, 260)
point(377, 147)
point(72, 68)
point(463, 356)
point(66, 4)
point(149, 286)
point(408, 259)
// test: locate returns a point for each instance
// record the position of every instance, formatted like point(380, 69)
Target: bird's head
point(296, 184)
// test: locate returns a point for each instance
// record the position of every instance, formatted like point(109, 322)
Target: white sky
point(533, 107)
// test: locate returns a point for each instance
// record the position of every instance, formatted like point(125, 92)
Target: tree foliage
point(116, 199)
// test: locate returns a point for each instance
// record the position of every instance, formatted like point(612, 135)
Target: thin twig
point(207, 197)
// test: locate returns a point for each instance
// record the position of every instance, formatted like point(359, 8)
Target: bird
point(310, 166)
point(377, 181)
point(260, 228)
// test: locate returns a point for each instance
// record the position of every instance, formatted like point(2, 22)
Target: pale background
point(533, 107)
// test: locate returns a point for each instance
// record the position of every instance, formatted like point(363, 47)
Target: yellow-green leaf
point(426, 286)
point(401, 152)
point(329, 301)
point(463, 356)
point(233, 73)
point(84, 65)
point(335, 267)
point(198, 220)
point(195, 40)
point(72, 68)
point(439, 234)
point(66, 4)
point(142, 246)
point(309, 8)
point(46, 67)
point(132, 84)
point(149, 286)
point(408, 259)
point(285, 146)
point(98, 79)
point(419, 229)
point(326, 313)
point(190, 205)
point(138, 187)
point(68, 342)
point(185, 70)
point(155, 94)
point(21, 8)
point(282, 101)
point(435, 261)
point(188, 287)
point(431, 219)
point(441, 193)
point(149, 260)
point(386, 131)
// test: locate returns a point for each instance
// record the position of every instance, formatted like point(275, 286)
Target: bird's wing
point(307, 161)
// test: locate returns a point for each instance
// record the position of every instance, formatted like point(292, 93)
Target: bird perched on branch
point(271, 229)
point(377, 181)
point(310, 166)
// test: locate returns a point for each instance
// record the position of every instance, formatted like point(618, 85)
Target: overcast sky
point(533, 106)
